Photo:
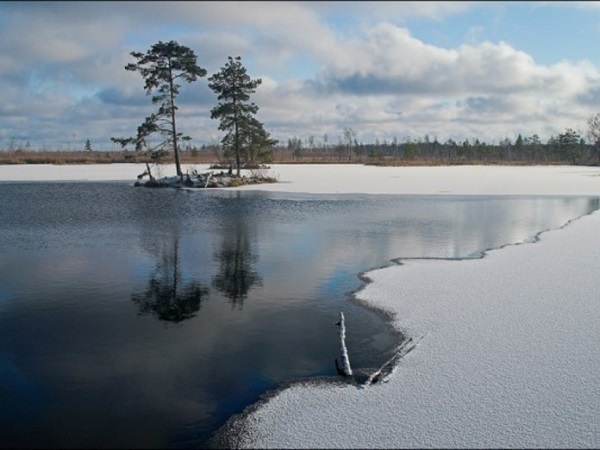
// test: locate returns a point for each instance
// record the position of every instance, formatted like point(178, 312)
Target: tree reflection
point(236, 275)
point(166, 296)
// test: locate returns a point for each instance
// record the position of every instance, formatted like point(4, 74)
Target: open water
point(134, 317)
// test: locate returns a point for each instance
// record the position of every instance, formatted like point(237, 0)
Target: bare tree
point(594, 133)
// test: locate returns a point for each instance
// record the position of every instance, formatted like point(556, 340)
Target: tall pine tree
point(161, 67)
point(244, 133)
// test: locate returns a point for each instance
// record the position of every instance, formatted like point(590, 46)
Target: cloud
point(392, 61)
point(325, 66)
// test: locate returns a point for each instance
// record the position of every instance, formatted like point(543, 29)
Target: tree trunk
point(175, 149)
point(149, 172)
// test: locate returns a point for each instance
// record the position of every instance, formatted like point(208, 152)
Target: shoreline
point(233, 433)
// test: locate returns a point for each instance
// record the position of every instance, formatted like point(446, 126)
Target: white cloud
point(325, 66)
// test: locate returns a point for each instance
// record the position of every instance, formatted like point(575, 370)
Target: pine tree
point(161, 67)
point(245, 137)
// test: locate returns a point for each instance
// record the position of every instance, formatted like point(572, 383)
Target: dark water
point(145, 318)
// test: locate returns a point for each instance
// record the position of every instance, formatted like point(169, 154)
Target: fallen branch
point(388, 367)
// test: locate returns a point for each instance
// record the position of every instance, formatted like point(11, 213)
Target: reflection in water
point(235, 258)
point(165, 297)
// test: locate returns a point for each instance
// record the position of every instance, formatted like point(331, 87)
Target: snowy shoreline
point(507, 353)
point(500, 381)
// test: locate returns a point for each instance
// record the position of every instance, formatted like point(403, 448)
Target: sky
point(403, 70)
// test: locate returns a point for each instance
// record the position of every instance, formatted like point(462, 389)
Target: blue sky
point(451, 70)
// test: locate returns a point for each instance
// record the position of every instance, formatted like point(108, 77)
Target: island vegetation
point(245, 137)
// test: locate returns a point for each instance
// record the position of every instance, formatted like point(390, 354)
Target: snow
point(91, 172)
point(507, 350)
point(456, 180)
point(344, 178)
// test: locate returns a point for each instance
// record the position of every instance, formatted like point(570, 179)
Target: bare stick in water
point(345, 370)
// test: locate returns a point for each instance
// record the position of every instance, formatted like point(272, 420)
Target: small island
point(246, 144)
point(209, 179)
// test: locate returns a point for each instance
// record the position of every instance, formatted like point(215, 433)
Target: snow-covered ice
point(507, 352)
point(344, 178)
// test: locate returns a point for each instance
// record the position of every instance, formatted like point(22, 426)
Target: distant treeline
point(566, 148)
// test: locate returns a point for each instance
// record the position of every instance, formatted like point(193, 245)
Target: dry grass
point(209, 157)
point(83, 157)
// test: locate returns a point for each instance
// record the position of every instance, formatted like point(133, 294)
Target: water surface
point(134, 317)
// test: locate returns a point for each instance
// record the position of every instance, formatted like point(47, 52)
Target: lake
point(134, 317)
